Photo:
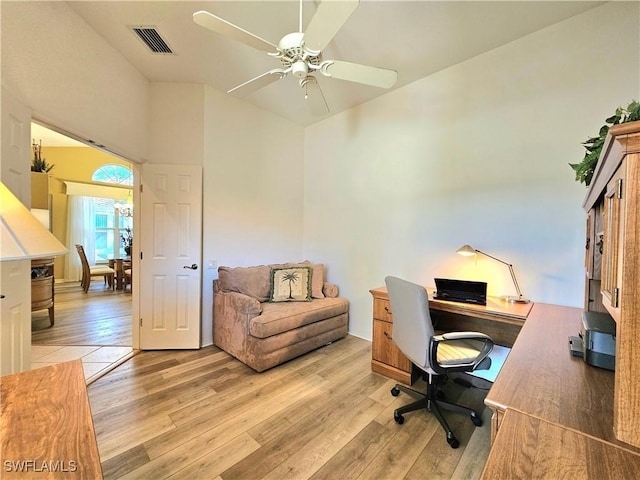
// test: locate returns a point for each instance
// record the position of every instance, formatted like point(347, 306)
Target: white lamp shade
point(21, 234)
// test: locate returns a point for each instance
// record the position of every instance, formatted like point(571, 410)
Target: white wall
point(176, 123)
point(474, 154)
point(253, 189)
point(56, 64)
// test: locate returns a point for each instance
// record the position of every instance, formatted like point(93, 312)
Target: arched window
point(118, 174)
point(113, 222)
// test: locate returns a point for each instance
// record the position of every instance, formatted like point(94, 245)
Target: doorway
point(95, 326)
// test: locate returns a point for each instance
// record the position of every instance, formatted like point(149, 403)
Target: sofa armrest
point(232, 313)
point(239, 303)
point(330, 290)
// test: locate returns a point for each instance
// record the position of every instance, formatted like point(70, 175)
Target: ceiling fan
point(300, 53)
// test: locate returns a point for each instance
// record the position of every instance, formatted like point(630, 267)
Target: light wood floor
point(204, 415)
point(99, 317)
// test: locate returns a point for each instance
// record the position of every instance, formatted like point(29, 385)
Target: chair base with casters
point(433, 401)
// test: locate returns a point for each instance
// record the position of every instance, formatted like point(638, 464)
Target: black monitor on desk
point(465, 291)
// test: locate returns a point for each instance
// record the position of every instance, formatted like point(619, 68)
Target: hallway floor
point(96, 360)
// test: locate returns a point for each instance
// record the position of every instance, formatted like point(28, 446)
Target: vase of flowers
point(127, 240)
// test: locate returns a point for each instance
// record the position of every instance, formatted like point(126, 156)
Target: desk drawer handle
point(387, 335)
point(387, 309)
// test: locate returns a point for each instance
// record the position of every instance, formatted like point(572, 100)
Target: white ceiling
point(49, 138)
point(415, 38)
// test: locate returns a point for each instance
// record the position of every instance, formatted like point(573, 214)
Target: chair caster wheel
point(477, 421)
point(395, 391)
point(452, 441)
point(398, 418)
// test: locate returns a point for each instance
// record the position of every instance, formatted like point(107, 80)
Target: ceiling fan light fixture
point(300, 69)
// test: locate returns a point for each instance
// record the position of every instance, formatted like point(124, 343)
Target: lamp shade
point(22, 236)
point(466, 250)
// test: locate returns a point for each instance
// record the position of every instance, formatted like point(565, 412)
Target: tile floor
point(96, 360)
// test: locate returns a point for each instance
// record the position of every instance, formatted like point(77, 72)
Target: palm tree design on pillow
point(291, 277)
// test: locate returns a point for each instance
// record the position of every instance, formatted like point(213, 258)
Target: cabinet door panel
point(613, 231)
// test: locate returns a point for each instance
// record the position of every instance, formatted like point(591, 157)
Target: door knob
point(192, 267)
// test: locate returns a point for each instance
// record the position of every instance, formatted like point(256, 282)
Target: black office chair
point(435, 355)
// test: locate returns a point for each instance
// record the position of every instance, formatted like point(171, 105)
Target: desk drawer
point(382, 310)
point(384, 348)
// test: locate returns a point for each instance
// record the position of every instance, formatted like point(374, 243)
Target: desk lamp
point(468, 250)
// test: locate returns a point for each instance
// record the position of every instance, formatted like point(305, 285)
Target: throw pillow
point(291, 284)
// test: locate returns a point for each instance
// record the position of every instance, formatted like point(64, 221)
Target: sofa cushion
point(256, 281)
point(251, 281)
point(281, 317)
point(290, 284)
point(317, 280)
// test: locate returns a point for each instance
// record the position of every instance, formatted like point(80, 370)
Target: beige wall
point(75, 164)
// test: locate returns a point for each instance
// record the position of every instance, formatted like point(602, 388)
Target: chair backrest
point(412, 327)
point(86, 270)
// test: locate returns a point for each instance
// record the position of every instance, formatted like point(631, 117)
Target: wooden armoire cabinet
point(613, 265)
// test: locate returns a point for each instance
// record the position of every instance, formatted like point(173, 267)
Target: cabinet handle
point(387, 335)
point(387, 309)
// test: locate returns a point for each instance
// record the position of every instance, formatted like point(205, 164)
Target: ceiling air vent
point(152, 39)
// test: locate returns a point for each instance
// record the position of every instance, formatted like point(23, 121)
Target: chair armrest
point(475, 345)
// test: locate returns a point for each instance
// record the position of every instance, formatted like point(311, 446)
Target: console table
point(47, 429)
point(499, 319)
point(42, 289)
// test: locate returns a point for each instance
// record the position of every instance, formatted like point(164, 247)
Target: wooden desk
point(542, 379)
point(528, 447)
point(499, 319)
point(47, 429)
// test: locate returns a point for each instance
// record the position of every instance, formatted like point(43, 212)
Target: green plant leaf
point(593, 145)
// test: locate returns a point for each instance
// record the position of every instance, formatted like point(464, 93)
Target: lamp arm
point(491, 256)
point(513, 275)
point(515, 282)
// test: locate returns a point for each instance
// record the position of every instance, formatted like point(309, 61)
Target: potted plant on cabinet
point(39, 164)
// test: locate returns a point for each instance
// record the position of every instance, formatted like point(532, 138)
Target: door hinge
point(140, 255)
point(141, 188)
point(141, 322)
point(619, 187)
point(615, 297)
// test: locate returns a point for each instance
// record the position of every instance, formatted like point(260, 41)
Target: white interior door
point(170, 252)
point(15, 278)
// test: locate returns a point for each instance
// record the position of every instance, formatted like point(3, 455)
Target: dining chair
point(90, 271)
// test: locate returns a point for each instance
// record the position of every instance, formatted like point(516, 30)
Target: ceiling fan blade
point(314, 97)
point(228, 29)
point(328, 19)
point(257, 83)
point(355, 72)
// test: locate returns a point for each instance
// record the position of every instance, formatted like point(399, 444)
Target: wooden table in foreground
point(46, 424)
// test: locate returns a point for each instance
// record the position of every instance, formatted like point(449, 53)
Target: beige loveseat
point(263, 330)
